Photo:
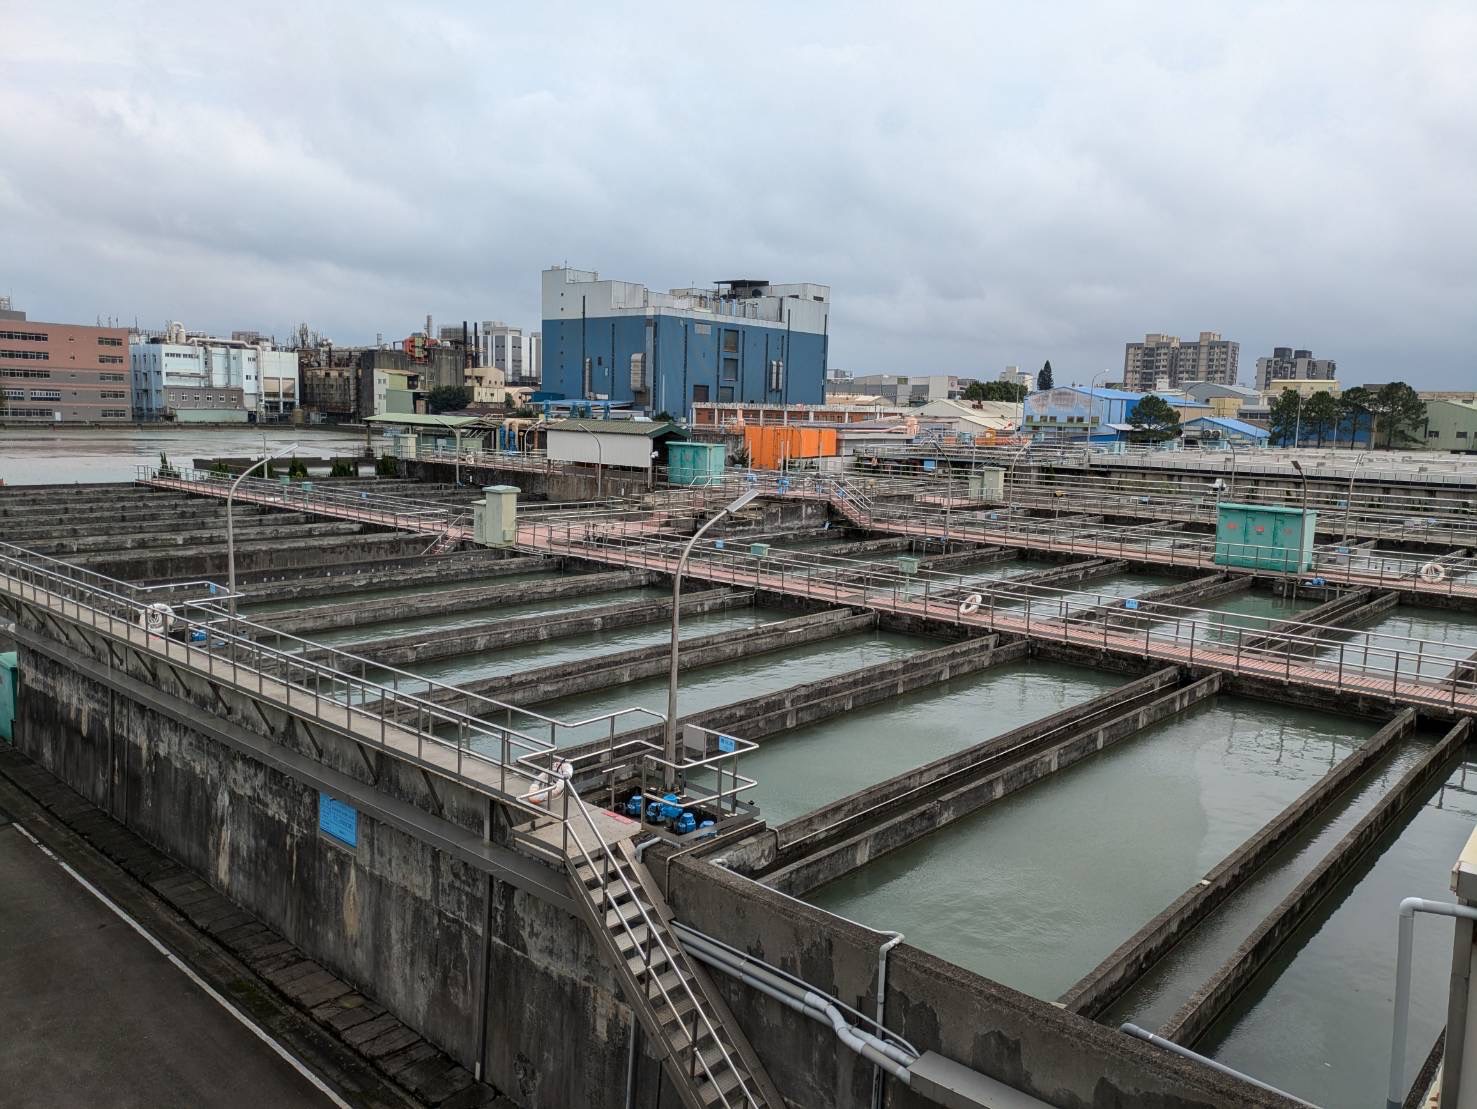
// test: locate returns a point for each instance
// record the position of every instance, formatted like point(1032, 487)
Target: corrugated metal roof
point(1229, 424)
point(616, 427)
point(421, 419)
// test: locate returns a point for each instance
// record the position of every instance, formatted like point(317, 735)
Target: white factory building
point(192, 377)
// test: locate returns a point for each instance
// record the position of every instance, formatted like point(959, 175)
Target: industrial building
point(1287, 364)
point(1451, 425)
point(61, 373)
point(1168, 362)
point(1092, 415)
point(184, 376)
point(745, 340)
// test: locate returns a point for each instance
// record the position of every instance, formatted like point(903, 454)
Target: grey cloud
point(980, 184)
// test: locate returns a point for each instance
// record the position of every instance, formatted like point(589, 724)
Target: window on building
point(725, 393)
point(730, 369)
point(111, 359)
point(13, 394)
point(46, 394)
point(113, 394)
point(730, 342)
point(1433, 435)
point(776, 375)
point(112, 377)
point(699, 394)
point(115, 413)
point(1461, 435)
point(29, 355)
point(106, 341)
point(5, 372)
point(24, 336)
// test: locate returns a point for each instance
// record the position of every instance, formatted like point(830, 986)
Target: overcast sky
point(980, 184)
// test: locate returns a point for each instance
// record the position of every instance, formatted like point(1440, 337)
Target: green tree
point(1043, 379)
point(1008, 391)
point(448, 398)
point(1321, 414)
point(1154, 420)
point(1399, 410)
point(297, 469)
point(1354, 406)
point(1283, 417)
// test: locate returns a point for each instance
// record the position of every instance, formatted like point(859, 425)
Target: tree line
point(1393, 413)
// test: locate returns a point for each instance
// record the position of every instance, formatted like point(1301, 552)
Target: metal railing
point(1330, 656)
point(351, 504)
point(653, 942)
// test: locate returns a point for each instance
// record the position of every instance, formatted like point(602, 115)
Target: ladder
point(704, 1054)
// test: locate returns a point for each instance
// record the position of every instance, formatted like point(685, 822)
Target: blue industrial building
point(744, 341)
point(1071, 413)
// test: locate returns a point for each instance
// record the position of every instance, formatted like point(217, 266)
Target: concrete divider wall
point(348, 614)
point(1105, 983)
point(1037, 761)
point(881, 793)
point(1212, 998)
point(1325, 613)
point(1047, 1053)
point(419, 646)
point(808, 702)
point(338, 579)
point(210, 561)
point(560, 679)
point(400, 917)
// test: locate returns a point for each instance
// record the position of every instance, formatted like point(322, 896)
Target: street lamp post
point(1349, 495)
point(1303, 523)
point(456, 431)
point(1091, 397)
point(231, 525)
point(670, 744)
point(599, 462)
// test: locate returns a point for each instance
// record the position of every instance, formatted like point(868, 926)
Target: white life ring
point(156, 619)
point(551, 788)
point(970, 604)
point(1433, 572)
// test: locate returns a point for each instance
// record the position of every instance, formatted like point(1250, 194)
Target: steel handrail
point(653, 933)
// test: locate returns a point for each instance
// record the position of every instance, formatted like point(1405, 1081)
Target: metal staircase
point(704, 1054)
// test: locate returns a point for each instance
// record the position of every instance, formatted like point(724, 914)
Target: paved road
point(92, 1014)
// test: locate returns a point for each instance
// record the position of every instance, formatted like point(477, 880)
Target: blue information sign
point(338, 820)
point(727, 744)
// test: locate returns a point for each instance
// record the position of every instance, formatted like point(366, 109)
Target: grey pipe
point(1395, 1095)
point(1179, 1049)
point(807, 1002)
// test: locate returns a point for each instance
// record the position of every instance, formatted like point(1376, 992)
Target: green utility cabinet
point(9, 679)
point(1264, 537)
point(696, 463)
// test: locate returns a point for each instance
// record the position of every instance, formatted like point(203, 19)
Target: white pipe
point(1395, 1095)
point(893, 940)
point(817, 1006)
point(1179, 1049)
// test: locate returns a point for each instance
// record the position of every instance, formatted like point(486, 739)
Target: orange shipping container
point(770, 447)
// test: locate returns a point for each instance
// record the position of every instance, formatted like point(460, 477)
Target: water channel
point(1035, 889)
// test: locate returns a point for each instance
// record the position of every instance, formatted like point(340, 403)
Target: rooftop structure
point(1286, 364)
point(743, 340)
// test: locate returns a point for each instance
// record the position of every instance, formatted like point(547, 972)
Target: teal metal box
point(1264, 537)
point(696, 463)
point(8, 680)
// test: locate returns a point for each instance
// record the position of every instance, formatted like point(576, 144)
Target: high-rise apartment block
point(1287, 364)
point(61, 372)
point(1168, 362)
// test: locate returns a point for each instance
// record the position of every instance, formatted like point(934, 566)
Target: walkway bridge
point(189, 642)
point(1361, 663)
point(649, 535)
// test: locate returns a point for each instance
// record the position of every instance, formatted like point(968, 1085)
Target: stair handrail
point(653, 934)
